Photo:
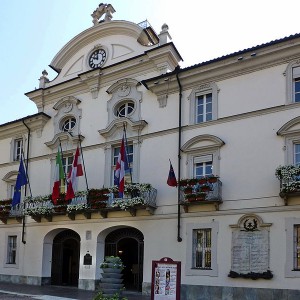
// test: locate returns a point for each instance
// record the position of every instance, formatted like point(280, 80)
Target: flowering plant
point(114, 262)
point(125, 203)
point(38, 210)
point(113, 189)
point(81, 193)
point(288, 172)
point(39, 198)
point(5, 204)
point(76, 207)
point(141, 187)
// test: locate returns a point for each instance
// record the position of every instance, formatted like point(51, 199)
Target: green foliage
point(116, 296)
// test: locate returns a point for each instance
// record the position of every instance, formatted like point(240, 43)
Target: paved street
point(22, 292)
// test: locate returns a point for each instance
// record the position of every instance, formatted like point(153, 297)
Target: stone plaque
point(250, 246)
point(250, 251)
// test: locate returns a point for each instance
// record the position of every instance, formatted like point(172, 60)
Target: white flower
point(126, 203)
point(38, 210)
point(76, 207)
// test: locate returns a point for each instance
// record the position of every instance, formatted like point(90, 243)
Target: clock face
point(97, 58)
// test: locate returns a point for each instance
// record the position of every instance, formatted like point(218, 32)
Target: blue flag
point(21, 180)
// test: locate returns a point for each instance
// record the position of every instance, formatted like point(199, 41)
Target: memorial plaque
point(250, 251)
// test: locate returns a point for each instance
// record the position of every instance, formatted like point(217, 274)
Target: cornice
point(224, 69)
point(34, 122)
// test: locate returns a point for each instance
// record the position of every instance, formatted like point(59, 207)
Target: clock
point(97, 58)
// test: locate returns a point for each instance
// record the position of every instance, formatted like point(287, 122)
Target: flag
point(121, 168)
point(73, 175)
point(21, 180)
point(59, 176)
point(171, 178)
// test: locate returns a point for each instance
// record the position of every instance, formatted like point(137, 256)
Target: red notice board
point(166, 278)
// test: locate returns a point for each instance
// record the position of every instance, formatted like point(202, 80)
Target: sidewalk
point(50, 292)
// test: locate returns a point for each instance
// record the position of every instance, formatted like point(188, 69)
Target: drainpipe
point(26, 168)
point(179, 238)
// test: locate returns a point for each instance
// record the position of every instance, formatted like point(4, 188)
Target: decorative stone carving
point(43, 79)
point(124, 90)
point(162, 100)
point(102, 9)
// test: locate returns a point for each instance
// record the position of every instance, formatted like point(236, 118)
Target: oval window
point(125, 109)
point(68, 124)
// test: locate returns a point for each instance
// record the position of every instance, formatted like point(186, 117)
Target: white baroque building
point(236, 117)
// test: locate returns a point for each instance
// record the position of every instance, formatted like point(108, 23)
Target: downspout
point(179, 238)
point(26, 167)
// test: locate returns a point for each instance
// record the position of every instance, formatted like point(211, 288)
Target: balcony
point(7, 211)
point(204, 191)
point(102, 201)
point(289, 178)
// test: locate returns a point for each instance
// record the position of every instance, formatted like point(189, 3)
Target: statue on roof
point(102, 9)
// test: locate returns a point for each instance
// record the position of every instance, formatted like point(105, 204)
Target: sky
point(33, 31)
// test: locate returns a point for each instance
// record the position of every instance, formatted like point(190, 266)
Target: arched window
point(124, 109)
point(68, 124)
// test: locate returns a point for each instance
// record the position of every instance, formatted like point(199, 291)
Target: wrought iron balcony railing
point(201, 193)
point(84, 203)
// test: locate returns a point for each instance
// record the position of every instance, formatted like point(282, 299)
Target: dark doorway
point(127, 249)
point(65, 259)
point(128, 244)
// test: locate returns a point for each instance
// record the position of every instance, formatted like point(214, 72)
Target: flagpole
point(62, 159)
point(86, 181)
point(124, 130)
point(26, 173)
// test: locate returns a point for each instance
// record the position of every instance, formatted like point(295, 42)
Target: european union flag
point(21, 180)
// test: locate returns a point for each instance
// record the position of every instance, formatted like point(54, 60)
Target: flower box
point(183, 182)
point(202, 180)
point(193, 181)
point(98, 204)
point(200, 196)
point(188, 190)
point(212, 179)
point(190, 197)
point(205, 188)
point(60, 208)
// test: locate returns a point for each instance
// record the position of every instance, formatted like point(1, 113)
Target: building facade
point(234, 119)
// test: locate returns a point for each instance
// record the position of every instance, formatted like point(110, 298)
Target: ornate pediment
point(118, 124)
point(64, 137)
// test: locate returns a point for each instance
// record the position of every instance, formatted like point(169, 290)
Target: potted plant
point(126, 203)
point(188, 189)
point(287, 172)
point(205, 188)
point(111, 281)
point(212, 178)
point(183, 182)
point(202, 180)
point(200, 196)
point(5, 206)
point(192, 181)
point(190, 197)
point(114, 190)
point(39, 210)
point(75, 208)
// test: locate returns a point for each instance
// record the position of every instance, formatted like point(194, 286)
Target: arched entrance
point(65, 258)
point(128, 244)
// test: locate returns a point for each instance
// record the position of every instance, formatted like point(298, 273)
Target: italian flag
point(73, 175)
point(59, 177)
